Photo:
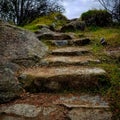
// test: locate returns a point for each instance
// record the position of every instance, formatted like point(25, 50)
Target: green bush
point(55, 20)
point(97, 18)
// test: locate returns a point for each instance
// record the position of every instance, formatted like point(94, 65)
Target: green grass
point(111, 65)
point(113, 93)
point(111, 35)
point(47, 20)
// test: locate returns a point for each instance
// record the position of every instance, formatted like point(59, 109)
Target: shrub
point(97, 18)
point(53, 20)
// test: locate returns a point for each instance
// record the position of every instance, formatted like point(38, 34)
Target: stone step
point(61, 42)
point(47, 34)
point(71, 51)
point(55, 79)
point(57, 107)
point(83, 41)
point(68, 60)
point(85, 107)
point(76, 42)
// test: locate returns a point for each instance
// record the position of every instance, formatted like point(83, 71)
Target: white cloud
point(74, 8)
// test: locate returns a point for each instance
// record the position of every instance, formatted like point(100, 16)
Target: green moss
point(31, 27)
point(114, 90)
point(54, 18)
point(112, 65)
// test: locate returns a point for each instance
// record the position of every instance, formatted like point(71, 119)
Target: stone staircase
point(61, 89)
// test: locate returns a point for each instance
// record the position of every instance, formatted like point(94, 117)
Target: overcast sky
point(74, 8)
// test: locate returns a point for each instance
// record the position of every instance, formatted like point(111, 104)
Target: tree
point(24, 11)
point(113, 7)
point(117, 12)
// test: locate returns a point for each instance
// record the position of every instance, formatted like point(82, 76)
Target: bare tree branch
point(113, 7)
point(24, 11)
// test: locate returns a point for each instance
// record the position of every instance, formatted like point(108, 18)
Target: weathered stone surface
point(83, 101)
point(47, 110)
point(86, 107)
point(19, 46)
point(61, 42)
point(89, 114)
point(56, 78)
point(71, 51)
point(9, 85)
point(47, 34)
point(70, 42)
point(68, 60)
point(73, 26)
point(57, 107)
point(25, 110)
point(12, 66)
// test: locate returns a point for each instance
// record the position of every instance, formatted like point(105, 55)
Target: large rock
point(19, 46)
point(73, 26)
point(47, 34)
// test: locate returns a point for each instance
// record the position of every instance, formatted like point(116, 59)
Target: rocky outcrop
point(73, 26)
point(47, 34)
point(17, 47)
